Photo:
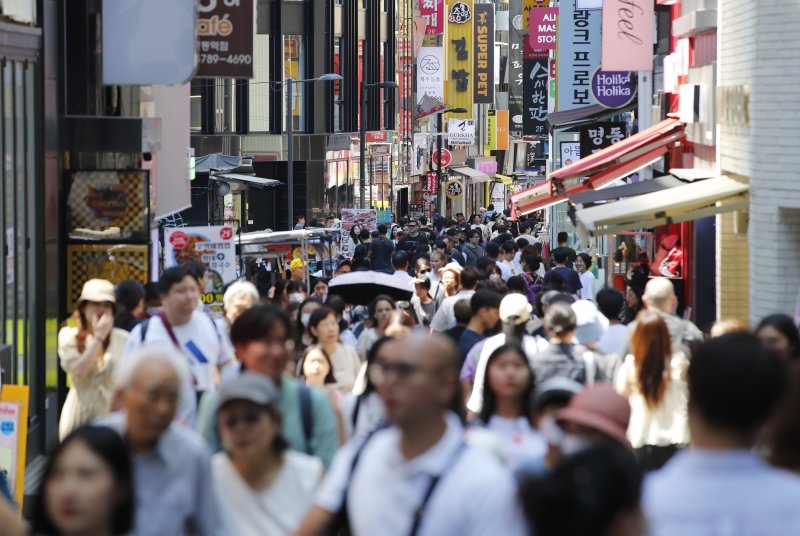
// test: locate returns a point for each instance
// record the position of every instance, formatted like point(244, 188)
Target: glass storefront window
point(259, 89)
point(294, 67)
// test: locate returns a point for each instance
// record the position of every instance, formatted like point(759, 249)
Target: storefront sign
point(419, 160)
point(535, 116)
point(454, 189)
point(14, 436)
point(502, 130)
point(570, 152)
point(459, 81)
point(433, 13)
point(614, 89)
point(543, 26)
point(379, 136)
point(432, 182)
point(528, 6)
point(446, 158)
point(628, 35)
point(212, 247)
point(461, 131)
point(552, 84)
point(430, 73)
point(599, 136)
point(225, 32)
point(491, 131)
point(484, 54)
point(578, 55)
point(516, 76)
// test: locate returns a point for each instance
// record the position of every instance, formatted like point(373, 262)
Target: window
point(260, 92)
point(294, 67)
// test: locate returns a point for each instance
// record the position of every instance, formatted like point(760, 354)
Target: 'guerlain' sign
point(627, 35)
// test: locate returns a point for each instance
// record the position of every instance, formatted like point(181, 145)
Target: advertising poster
point(515, 67)
point(430, 73)
point(484, 53)
point(225, 32)
point(578, 55)
point(460, 77)
point(211, 246)
point(114, 262)
point(14, 437)
point(535, 99)
point(362, 218)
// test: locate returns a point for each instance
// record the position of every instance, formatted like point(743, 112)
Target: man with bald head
point(417, 476)
point(659, 297)
point(172, 465)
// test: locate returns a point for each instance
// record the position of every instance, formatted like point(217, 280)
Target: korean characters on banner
point(515, 67)
point(578, 55)
point(225, 30)
point(484, 54)
point(599, 136)
point(502, 130)
point(430, 73)
point(535, 97)
point(431, 182)
point(433, 13)
point(491, 132)
point(212, 247)
point(527, 7)
point(460, 48)
point(630, 46)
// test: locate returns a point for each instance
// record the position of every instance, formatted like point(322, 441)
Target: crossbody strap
point(168, 327)
point(420, 511)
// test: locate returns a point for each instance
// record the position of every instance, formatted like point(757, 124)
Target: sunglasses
point(425, 271)
point(249, 418)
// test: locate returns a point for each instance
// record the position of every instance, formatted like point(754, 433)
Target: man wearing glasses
point(414, 243)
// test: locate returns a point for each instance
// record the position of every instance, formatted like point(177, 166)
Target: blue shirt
point(468, 339)
point(571, 279)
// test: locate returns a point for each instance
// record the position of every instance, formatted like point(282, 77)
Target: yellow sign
point(292, 68)
point(459, 73)
point(14, 437)
point(491, 132)
point(454, 189)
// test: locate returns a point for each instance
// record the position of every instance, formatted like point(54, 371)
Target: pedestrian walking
point(779, 333)
point(380, 313)
point(345, 362)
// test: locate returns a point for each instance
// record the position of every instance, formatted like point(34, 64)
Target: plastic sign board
point(446, 158)
point(14, 436)
point(628, 35)
point(454, 189)
point(461, 131)
point(543, 28)
point(614, 89)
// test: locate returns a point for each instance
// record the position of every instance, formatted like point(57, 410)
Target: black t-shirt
point(381, 251)
point(414, 246)
point(571, 279)
point(571, 255)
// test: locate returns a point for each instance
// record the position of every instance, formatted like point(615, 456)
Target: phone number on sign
point(234, 59)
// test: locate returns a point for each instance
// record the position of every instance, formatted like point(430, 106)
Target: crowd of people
point(511, 393)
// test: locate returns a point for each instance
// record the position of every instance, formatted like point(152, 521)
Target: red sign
point(379, 136)
point(179, 239)
point(433, 182)
point(226, 233)
point(446, 158)
point(543, 23)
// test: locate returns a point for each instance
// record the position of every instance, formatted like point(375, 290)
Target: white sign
point(570, 152)
point(214, 248)
point(419, 159)
point(430, 73)
point(461, 131)
point(589, 4)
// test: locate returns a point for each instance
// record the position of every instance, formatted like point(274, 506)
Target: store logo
point(226, 233)
point(517, 22)
point(430, 64)
point(460, 13)
point(179, 240)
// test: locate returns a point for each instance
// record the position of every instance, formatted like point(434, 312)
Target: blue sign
point(7, 428)
point(579, 55)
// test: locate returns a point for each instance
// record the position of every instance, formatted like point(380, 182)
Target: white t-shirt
point(275, 511)
point(520, 442)
point(613, 339)
point(587, 290)
point(199, 340)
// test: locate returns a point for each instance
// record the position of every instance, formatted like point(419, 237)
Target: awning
point(474, 176)
point(248, 179)
point(216, 162)
point(583, 116)
point(592, 197)
point(505, 179)
point(674, 205)
point(604, 166)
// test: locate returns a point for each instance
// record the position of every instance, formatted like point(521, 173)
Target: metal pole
point(391, 187)
point(439, 196)
point(362, 131)
point(290, 151)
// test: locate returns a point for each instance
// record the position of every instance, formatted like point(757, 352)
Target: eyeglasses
point(425, 271)
point(380, 371)
point(249, 418)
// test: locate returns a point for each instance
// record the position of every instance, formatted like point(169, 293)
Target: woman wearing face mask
point(296, 291)
point(506, 409)
point(324, 329)
point(261, 486)
point(88, 352)
point(302, 336)
point(380, 314)
point(87, 486)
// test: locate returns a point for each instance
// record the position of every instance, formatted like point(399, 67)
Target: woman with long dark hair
point(779, 333)
point(88, 351)
point(87, 486)
point(262, 487)
point(360, 262)
point(345, 362)
point(380, 315)
point(653, 378)
point(506, 404)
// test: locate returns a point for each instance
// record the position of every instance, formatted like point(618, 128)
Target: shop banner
point(527, 7)
point(430, 73)
point(599, 136)
point(502, 130)
point(460, 78)
point(543, 26)
point(419, 160)
point(536, 89)
point(491, 131)
point(484, 54)
point(461, 132)
point(225, 33)
point(431, 182)
point(552, 84)
point(578, 55)
point(433, 13)
point(14, 406)
point(628, 39)
point(515, 73)
point(570, 152)
point(363, 218)
point(212, 247)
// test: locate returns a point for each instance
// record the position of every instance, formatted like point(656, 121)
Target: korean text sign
point(534, 121)
point(460, 49)
point(599, 136)
point(433, 13)
point(430, 73)
point(225, 30)
point(578, 55)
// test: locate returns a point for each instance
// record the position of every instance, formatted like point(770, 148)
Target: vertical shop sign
point(459, 81)
point(491, 131)
point(599, 136)
point(484, 54)
point(578, 55)
point(433, 13)
point(628, 35)
point(543, 26)
point(502, 130)
point(225, 38)
point(552, 84)
point(461, 132)
point(535, 97)
point(515, 74)
point(528, 6)
point(430, 73)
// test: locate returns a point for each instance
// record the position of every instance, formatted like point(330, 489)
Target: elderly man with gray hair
point(172, 465)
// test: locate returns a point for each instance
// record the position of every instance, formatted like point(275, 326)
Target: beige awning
point(674, 205)
point(474, 176)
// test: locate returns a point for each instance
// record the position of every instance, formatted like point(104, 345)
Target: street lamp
point(362, 171)
point(327, 77)
point(439, 197)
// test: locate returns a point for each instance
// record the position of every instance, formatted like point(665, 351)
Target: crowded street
point(399, 267)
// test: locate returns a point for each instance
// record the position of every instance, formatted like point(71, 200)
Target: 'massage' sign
point(627, 35)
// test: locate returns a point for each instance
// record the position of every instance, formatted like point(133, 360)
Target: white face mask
point(297, 297)
point(304, 318)
point(572, 444)
point(495, 277)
